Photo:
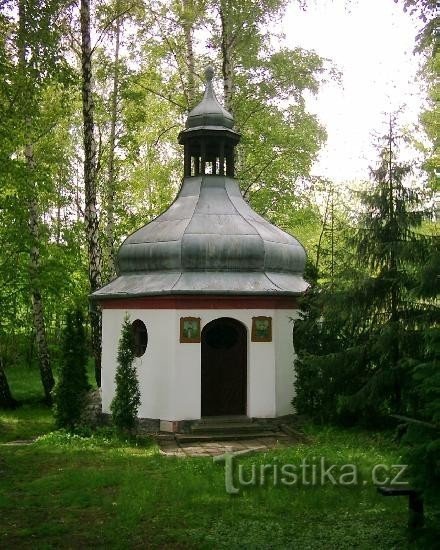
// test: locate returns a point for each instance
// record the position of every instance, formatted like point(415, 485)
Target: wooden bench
point(415, 503)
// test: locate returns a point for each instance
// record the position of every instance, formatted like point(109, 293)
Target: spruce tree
point(127, 398)
point(361, 337)
point(388, 246)
point(72, 385)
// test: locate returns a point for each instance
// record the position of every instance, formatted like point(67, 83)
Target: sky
point(371, 42)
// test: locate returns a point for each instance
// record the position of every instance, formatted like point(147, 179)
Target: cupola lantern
point(209, 139)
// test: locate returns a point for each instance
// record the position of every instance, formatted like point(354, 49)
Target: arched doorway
point(224, 368)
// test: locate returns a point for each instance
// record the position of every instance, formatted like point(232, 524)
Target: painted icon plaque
point(261, 329)
point(189, 330)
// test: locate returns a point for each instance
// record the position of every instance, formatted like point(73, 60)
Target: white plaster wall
point(170, 372)
point(284, 358)
point(154, 368)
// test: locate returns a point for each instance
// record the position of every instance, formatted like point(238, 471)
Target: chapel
point(211, 290)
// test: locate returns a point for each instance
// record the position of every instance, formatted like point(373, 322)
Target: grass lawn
point(32, 418)
point(78, 492)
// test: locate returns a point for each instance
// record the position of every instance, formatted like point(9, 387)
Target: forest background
point(93, 97)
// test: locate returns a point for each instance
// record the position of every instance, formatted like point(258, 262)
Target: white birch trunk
point(189, 53)
point(110, 252)
point(38, 321)
point(227, 64)
point(90, 210)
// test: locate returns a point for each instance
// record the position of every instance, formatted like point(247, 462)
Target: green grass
point(68, 491)
point(32, 417)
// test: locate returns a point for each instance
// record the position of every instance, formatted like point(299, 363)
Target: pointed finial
point(209, 73)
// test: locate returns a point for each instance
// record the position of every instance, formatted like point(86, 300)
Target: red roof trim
point(201, 302)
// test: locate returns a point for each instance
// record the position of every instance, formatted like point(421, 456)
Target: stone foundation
point(91, 414)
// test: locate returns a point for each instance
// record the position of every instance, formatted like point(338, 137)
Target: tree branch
point(270, 161)
point(158, 94)
point(164, 132)
point(109, 23)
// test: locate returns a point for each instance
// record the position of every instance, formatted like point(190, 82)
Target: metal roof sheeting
point(224, 283)
point(208, 241)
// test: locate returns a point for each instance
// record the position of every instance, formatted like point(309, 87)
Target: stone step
point(224, 419)
point(230, 427)
point(202, 437)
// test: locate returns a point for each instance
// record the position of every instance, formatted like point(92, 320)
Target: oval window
point(140, 336)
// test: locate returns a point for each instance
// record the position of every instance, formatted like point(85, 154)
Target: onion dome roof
point(209, 241)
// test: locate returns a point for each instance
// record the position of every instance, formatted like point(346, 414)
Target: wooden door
point(224, 368)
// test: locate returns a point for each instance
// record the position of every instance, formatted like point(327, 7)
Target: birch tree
point(188, 16)
point(110, 251)
point(31, 200)
point(228, 40)
point(91, 219)
point(264, 86)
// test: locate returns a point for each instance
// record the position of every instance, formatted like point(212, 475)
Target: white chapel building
point(211, 288)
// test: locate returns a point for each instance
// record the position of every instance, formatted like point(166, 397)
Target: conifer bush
point(72, 386)
point(125, 404)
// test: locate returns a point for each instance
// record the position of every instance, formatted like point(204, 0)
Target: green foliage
point(427, 43)
point(422, 454)
point(36, 98)
point(430, 119)
point(127, 397)
point(423, 436)
point(281, 138)
point(72, 385)
point(332, 364)
point(32, 417)
point(368, 343)
point(427, 13)
point(42, 102)
point(362, 335)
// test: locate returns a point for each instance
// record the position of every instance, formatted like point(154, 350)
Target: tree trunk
point(58, 226)
point(6, 399)
point(190, 65)
point(393, 237)
point(90, 211)
point(110, 252)
point(226, 47)
point(47, 378)
point(323, 230)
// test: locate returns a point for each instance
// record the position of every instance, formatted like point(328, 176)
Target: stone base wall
point(148, 425)
point(93, 416)
point(144, 425)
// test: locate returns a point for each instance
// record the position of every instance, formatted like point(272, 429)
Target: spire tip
point(209, 73)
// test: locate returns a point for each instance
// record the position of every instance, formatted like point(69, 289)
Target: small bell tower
point(209, 139)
